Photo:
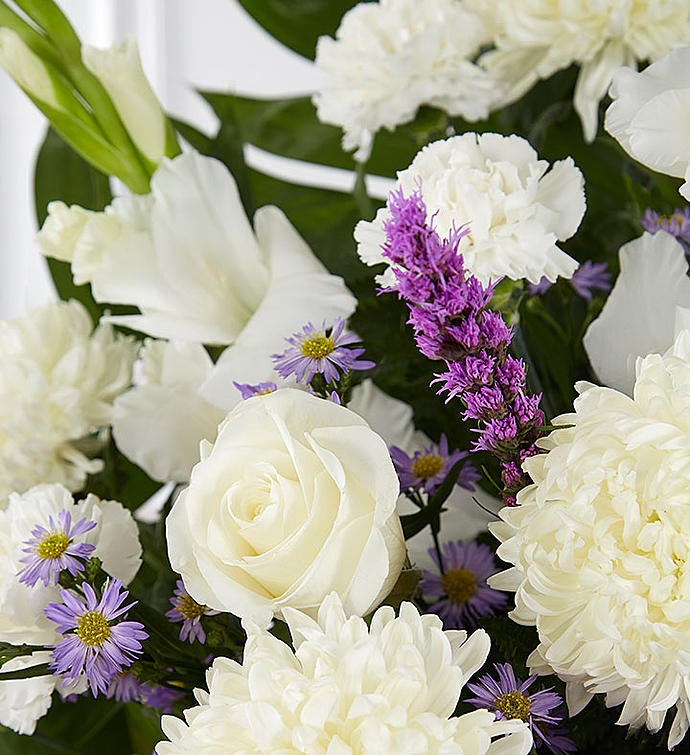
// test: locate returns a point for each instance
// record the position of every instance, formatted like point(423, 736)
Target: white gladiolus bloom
point(600, 547)
point(536, 38)
point(392, 56)
point(119, 70)
point(641, 311)
point(160, 423)
point(26, 68)
point(660, 143)
point(187, 256)
point(296, 498)
point(387, 689)
point(515, 209)
point(58, 380)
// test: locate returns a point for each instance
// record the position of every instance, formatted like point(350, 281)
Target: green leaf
point(298, 24)
point(63, 174)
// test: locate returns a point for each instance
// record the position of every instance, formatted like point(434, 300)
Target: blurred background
point(185, 45)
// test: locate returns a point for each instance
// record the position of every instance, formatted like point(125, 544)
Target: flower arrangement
point(287, 469)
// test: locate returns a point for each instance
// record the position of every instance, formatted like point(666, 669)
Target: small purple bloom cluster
point(677, 224)
point(189, 612)
point(588, 278)
point(449, 311)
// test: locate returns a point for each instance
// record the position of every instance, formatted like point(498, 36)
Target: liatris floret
point(449, 311)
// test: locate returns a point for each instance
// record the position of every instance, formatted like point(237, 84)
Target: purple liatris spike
point(189, 612)
point(449, 311)
point(508, 698)
point(322, 351)
point(427, 469)
point(459, 593)
point(98, 641)
point(52, 549)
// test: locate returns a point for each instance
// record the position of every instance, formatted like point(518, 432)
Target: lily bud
point(119, 70)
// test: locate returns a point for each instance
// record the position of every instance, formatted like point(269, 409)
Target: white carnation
point(536, 38)
point(392, 56)
point(600, 547)
point(24, 701)
point(388, 688)
point(633, 118)
point(516, 211)
point(58, 380)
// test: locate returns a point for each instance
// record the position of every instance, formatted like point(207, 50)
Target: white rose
point(296, 498)
point(515, 207)
point(633, 118)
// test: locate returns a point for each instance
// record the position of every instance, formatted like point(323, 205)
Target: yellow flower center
point(53, 546)
point(189, 608)
point(318, 347)
point(427, 466)
point(93, 628)
point(513, 705)
point(459, 585)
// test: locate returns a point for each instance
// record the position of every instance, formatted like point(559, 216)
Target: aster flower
point(125, 687)
point(320, 351)
point(52, 549)
point(677, 224)
point(189, 612)
point(98, 642)
point(160, 697)
point(508, 698)
point(460, 592)
point(427, 469)
point(260, 389)
point(589, 277)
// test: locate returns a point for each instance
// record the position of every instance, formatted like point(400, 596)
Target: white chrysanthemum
point(390, 688)
point(58, 380)
point(392, 56)
point(536, 38)
point(600, 546)
point(662, 144)
point(515, 209)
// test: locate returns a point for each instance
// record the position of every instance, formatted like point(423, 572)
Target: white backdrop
point(185, 44)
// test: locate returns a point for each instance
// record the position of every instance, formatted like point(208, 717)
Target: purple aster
point(677, 224)
point(160, 697)
point(189, 612)
point(260, 389)
point(125, 688)
point(507, 697)
point(427, 469)
point(590, 277)
point(320, 351)
point(537, 289)
point(460, 592)
point(98, 642)
point(51, 550)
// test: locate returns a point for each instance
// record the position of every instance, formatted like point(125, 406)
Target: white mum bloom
point(600, 547)
point(388, 688)
point(661, 143)
point(58, 380)
point(392, 56)
point(188, 257)
point(536, 38)
point(515, 209)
